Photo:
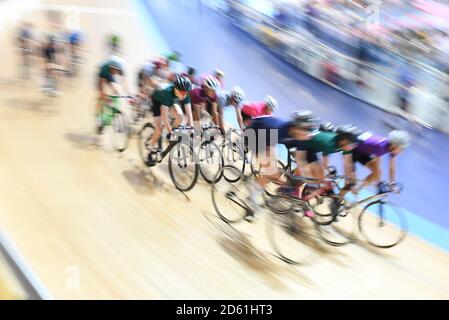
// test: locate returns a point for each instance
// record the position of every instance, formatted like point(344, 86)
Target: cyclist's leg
point(196, 116)
point(157, 121)
point(176, 111)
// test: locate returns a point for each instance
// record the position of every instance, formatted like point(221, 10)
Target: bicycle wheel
point(210, 161)
point(143, 142)
point(182, 166)
point(230, 199)
point(292, 237)
point(383, 224)
point(234, 156)
point(121, 132)
point(340, 232)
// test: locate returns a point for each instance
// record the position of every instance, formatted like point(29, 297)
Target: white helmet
point(237, 94)
point(271, 103)
point(399, 138)
point(212, 83)
point(117, 62)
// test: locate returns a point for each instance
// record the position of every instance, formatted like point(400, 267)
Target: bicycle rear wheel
point(383, 224)
point(234, 156)
point(182, 166)
point(210, 162)
point(230, 199)
point(121, 132)
point(292, 237)
point(340, 232)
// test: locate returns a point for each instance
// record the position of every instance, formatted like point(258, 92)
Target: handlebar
point(120, 97)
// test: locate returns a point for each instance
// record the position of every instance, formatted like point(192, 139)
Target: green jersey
point(168, 98)
point(325, 142)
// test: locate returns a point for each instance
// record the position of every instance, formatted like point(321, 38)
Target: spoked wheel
point(182, 166)
point(383, 224)
point(210, 161)
point(230, 199)
point(234, 156)
point(341, 231)
point(121, 132)
point(292, 237)
point(144, 139)
point(325, 208)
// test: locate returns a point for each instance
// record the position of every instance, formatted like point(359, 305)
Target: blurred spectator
point(311, 14)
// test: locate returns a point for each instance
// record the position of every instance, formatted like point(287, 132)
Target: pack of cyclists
point(184, 97)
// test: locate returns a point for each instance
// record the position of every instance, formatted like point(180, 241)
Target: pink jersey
point(254, 109)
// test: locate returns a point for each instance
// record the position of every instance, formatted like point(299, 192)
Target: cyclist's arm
point(189, 115)
point(300, 158)
point(325, 160)
point(116, 88)
point(238, 112)
point(164, 115)
point(392, 169)
point(349, 168)
point(215, 116)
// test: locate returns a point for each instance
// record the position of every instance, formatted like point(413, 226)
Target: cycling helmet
point(173, 56)
point(210, 82)
point(399, 138)
point(304, 119)
point(116, 62)
point(237, 94)
point(349, 132)
point(327, 127)
point(219, 73)
point(182, 83)
point(271, 103)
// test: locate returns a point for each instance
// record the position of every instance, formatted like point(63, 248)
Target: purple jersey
point(372, 145)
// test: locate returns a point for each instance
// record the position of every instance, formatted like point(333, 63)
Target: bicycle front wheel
point(210, 161)
point(292, 237)
point(182, 166)
point(121, 132)
point(383, 224)
point(234, 156)
point(230, 199)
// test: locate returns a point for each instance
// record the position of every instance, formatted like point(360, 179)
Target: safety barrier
point(372, 83)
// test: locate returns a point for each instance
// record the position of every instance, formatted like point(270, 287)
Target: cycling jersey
point(166, 97)
point(254, 109)
point(372, 145)
point(264, 126)
point(325, 142)
point(223, 98)
point(50, 53)
point(198, 96)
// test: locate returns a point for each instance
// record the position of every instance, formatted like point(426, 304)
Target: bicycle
point(381, 223)
point(180, 151)
point(50, 88)
point(111, 115)
point(286, 227)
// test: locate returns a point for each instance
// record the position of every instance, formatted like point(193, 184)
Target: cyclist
point(52, 61)
point(25, 43)
point(168, 100)
point(232, 98)
point(114, 43)
point(345, 139)
point(205, 98)
point(108, 80)
point(145, 81)
point(275, 131)
point(369, 152)
point(255, 109)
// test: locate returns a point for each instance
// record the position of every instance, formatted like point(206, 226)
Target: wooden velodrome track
point(94, 224)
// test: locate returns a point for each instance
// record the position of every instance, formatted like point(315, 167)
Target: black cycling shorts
point(360, 157)
point(311, 156)
point(156, 107)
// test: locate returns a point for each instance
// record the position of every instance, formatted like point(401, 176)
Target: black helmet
point(304, 119)
point(349, 132)
point(327, 127)
point(182, 83)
